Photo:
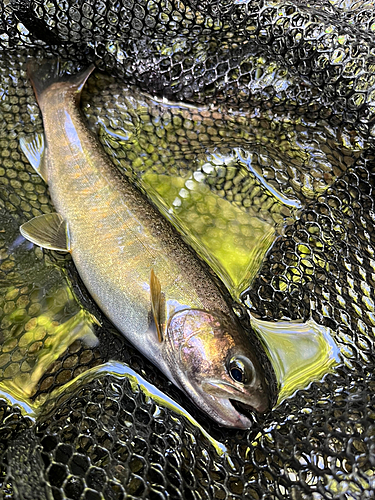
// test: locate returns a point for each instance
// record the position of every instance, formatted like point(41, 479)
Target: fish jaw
point(223, 411)
point(219, 409)
point(203, 343)
point(227, 390)
point(202, 350)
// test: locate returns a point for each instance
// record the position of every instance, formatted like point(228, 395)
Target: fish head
point(212, 360)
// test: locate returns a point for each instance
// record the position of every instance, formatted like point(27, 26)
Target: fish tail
point(47, 73)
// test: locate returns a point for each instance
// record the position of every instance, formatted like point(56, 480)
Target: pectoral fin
point(34, 150)
point(48, 231)
point(157, 304)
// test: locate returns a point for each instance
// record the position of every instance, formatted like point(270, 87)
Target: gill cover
point(214, 363)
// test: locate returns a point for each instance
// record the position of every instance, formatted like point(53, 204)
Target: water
point(119, 371)
point(216, 179)
point(300, 352)
point(40, 317)
point(226, 202)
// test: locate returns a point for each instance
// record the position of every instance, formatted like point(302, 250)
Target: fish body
point(135, 265)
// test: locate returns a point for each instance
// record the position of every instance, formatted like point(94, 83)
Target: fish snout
point(254, 398)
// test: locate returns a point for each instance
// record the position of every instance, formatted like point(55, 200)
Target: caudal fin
point(43, 75)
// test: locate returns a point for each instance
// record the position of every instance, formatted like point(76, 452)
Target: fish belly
point(116, 236)
point(114, 253)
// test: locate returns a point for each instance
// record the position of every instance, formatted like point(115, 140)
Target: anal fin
point(157, 304)
point(34, 150)
point(48, 231)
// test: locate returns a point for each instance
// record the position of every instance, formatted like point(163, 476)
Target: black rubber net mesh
point(290, 85)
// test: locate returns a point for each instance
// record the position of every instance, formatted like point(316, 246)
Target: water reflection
point(40, 318)
point(219, 181)
point(226, 203)
point(300, 352)
point(47, 339)
point(120, 371)
point(232, 242)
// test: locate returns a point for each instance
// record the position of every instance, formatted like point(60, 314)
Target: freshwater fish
point(135, 265)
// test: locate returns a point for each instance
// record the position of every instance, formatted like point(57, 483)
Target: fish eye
point(241, 370)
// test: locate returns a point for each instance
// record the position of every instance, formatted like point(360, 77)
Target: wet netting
point(290, 86)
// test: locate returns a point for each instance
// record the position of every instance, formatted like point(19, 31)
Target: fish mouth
point(248, 410)
point(236, 409)
point(243, 409)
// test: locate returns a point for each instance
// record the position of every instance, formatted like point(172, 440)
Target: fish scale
point(133, 445)
point(137, 268)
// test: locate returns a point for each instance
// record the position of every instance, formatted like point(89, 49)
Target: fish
point(143, 276)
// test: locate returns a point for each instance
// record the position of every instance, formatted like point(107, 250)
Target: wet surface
point(299, 137)
point(231, 230)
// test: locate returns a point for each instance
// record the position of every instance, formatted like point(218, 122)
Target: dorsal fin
point(157, 304)
point(48, 231)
